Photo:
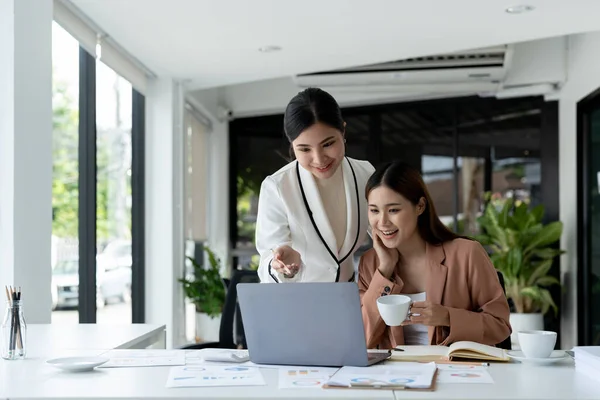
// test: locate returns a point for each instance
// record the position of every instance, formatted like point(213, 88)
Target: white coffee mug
point(393, 308)
point(537, 344)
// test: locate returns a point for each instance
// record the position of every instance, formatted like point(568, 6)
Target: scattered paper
point(143, 358)
point(221, 356)
point(199, 376)
point(449, 373)
point(196, 357)
point(408, 374)
point(304, 378)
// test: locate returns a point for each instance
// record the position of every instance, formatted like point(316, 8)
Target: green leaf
point(504, 214)
point(483, 239)
point(548, 235)
point(546, 253)
point(547, 301)
point(206, 289)
point(493, 229)
point(538, 213)
point(540, 271)
point(521, 247)
point(547, 281)
point(514, 258)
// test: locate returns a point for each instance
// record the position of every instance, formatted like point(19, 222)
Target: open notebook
point(458, 350)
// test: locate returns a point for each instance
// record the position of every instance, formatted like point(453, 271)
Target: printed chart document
point(143, 358)
point(454, 373)
point(221, 375)
point(304, 378)
point(398, 376)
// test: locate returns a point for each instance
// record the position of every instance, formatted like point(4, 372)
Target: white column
point(218, 200)
point(26, 152)
point(164, 208)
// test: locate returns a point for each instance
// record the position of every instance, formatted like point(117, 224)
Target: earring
point(344, 140)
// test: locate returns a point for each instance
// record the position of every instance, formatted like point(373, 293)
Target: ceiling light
point(519, 9)
point(269, 49)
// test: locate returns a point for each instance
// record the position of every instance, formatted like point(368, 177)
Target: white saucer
point(78, 364)
point(555, 356)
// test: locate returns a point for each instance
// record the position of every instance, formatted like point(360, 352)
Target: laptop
point(308, 324)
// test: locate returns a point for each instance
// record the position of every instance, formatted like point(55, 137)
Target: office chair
point(505, 344)
point(231, 331)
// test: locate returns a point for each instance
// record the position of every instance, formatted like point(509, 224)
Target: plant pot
point(525, 322)
point(207, 328)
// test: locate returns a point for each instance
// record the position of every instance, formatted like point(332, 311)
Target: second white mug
point(537, 344)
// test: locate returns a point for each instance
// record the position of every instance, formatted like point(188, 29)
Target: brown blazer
point(461, 277)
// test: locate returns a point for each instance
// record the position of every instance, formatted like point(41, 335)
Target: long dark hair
point(407, 181)
point(309, 107)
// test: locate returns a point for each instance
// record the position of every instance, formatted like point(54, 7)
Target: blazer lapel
point(436, 281)
point(352, 220)
point(318, 210)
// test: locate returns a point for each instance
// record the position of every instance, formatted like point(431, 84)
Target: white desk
point(517, 381)
point(44, 339)
point(32, 378)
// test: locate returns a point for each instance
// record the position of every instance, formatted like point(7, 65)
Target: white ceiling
point(215, 42)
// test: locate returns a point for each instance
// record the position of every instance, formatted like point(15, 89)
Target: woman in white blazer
point(312, 213)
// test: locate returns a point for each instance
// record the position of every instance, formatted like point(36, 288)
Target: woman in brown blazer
point(454, 286)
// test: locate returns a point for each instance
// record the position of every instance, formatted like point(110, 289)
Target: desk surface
point(34, 379)
point(43, 339)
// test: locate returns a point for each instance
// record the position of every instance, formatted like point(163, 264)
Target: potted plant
point(206, 290)
point(522, 248)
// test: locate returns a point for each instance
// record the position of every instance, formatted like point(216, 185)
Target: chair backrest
point(506, 344)
point(231, 322)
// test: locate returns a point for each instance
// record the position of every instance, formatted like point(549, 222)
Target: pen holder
point(14, 332)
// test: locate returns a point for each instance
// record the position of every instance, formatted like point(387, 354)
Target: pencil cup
point(14, 332)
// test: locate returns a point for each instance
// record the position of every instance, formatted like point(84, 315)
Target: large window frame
point(88, 192)
point(585, 108)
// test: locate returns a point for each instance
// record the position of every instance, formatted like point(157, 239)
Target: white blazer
point(283, 219)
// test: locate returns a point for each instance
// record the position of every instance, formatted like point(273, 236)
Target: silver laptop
point(312, 324)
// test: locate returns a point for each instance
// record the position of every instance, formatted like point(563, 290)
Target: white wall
point(583, 77)
point(26, 152)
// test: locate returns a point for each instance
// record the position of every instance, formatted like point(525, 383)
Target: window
point(196, 179)
point(589, 221)
point(65, 190)
point(113, 196)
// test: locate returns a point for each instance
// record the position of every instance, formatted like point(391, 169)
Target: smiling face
point(320, 149)
point(393, 216)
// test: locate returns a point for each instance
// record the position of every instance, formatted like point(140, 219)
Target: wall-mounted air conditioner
point(485, 66)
